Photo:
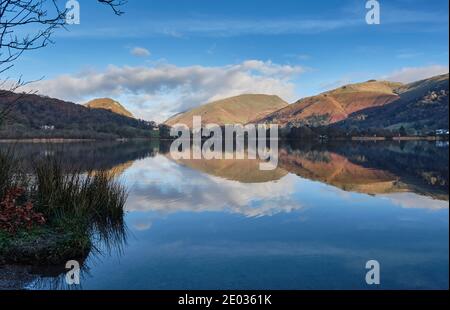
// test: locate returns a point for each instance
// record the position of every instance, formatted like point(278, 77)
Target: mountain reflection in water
point(334, 202)
point(364, 167)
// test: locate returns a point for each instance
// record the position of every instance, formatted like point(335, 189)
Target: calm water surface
point(313, 223)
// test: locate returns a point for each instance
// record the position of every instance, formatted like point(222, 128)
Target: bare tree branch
point(27, 25)
point(115, 5)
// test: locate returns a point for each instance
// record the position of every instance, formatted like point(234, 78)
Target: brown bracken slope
point(334, 106)
point(234, 110)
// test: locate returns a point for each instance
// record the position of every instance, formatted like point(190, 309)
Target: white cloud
point(415, 201)
point(160, 91)
point(140, 52)
point(159, 186)
point(413, 74)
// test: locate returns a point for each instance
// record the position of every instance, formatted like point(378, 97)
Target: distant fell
point(33, 116)
point(110, 105)
point(422, 107)
point(239, 109)
point(335, 105)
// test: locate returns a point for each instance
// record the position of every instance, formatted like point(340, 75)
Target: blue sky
point(162, 57)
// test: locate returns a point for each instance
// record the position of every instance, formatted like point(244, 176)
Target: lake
point(312, 223)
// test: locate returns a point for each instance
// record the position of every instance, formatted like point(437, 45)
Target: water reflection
point(324, 211)
point(373, 168)
point(410, 174)
point(167, 187)
point(365, 167)
point(107, 155)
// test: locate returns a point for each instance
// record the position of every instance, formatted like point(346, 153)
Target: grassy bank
point(53, 215)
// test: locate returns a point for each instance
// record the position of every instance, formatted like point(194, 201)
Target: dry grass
point(78, 207)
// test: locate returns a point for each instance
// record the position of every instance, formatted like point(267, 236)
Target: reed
point(79, 207)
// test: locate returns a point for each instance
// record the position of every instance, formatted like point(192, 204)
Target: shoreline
point(408, 138)
point(45, 140)
point(356, 138)
point(63, 140)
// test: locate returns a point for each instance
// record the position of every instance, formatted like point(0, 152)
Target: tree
point(27, 25)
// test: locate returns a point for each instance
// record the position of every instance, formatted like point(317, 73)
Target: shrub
point(15, 216)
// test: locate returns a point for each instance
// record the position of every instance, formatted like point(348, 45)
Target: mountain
point(339, 171)
point(371, 168)
point(239, 109)
point(334, 106)
point(110, 105)
point(241, 170)
point(421, 107)
point(34, 116)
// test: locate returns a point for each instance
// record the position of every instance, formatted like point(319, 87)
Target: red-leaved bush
point(15, 216)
